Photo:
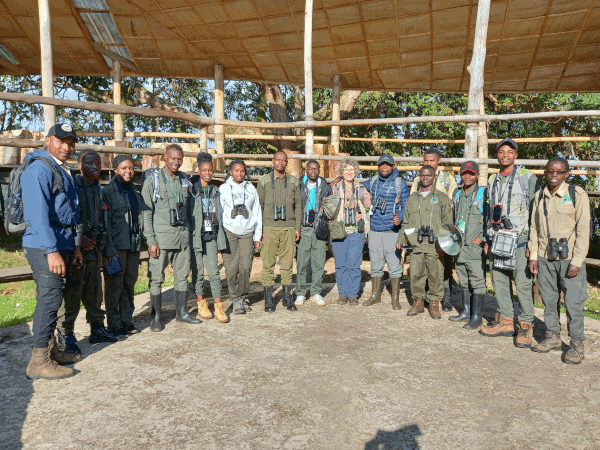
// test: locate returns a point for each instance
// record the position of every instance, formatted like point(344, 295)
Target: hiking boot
point(524, 335)
point(476, 312)
point(269, 305)
point(61, 357)
point(181, 312)
point(465, 314)
point(353, 301)
point(318, 299)
point(203, 311)
point(502, 326)
point(287, 298)
point(434, 310)
point(575, 353)
point(42, 366)
point(220, 313)
point(375, 292)
point(246, 304)
point(99, 333)
point(396, 294)
point(71, 346)
point(300, 299)
point(155, 313)
point(551, 342)
point(129, 328)
point(238, 306)
point(417, 307)
point(342, 300)
point(447, 300)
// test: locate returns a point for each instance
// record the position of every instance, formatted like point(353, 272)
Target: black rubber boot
point(99, 333)
point(447, 300)
point(465, 314)
point(155, 313)
point(182, 314)
point(269, 305)
point(287, 298)
point(476, 312)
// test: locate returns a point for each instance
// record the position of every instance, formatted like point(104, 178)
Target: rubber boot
point(376, 292)
point(155, 313)
point(203, 310)
point(447, 300)
point(269, 304)
point(182, 314)
point(287, 298)
point(396, 294)
point(465, 314)
point(220, 314)
point(99, 333)
point(59, 356)
point(476, 312)
point(42, 366)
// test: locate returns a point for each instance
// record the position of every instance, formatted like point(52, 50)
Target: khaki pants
point(426, 267)
point(237, 258)
point(278, 241)
point(206, 257)
point(179, 259)
point(312, 249)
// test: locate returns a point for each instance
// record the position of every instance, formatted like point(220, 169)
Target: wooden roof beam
point(115, 57)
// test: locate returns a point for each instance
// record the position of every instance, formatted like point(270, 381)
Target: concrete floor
point(334, 377)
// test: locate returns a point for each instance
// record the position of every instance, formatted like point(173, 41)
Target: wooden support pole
point(47, 65)
point(482, 147)
point(476, 69)
point(308, 97)
point(219, 108)
point(335, 113)
point(203, 139)
point(117, 118)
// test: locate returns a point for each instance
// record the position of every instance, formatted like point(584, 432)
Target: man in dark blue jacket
point(50, 247)
point(388, 197)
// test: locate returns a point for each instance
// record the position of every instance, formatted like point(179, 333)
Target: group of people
point(76, 233)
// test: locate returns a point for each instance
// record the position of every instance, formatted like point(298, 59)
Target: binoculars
point(177, 215)
point(350, 216)
point(380, 204)
point(504, 223)
point(279, 212)
point(98, 235)
point(558, 248)
point(425, 231)
point(135, 243)
point(309, 218)
point(239, 210)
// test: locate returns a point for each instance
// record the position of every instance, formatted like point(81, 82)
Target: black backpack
point(14, 220)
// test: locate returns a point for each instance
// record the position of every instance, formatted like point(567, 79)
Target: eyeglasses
point(350, 170)
point(556, 172)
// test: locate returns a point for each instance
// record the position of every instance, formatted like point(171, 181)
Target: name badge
point(207, 225)
point(461, 226)
point(371, 211)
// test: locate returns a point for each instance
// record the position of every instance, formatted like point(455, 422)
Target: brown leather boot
point(524, 335)
point(61, 357)
point(376, 292)
point(434, 310)
point(502, 326)
point(203, 310)
point(220, 314)
point(396, 294)
point(575, 353)
point(42, 366)
point(417, 307)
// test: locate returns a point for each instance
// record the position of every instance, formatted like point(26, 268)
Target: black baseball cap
point(386, 159)
point(507, 141)
point(469, 166)
point(62, 131)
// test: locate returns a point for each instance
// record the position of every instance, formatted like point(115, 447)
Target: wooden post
point(308, 98)
point(203, 139)
point(335, 114)
point(219, 114)
point(476, 72)
point(47, 68)
point(482, 148)
point(118, 118)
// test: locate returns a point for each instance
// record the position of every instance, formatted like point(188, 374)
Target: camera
point(135, 240)
point(97, 234)
point(380, 204)
point(425, 231)
point(309, 218)
point(239, 210)
point(558, 248)
point(350, 216)
point(500, 221)
point(78, 231)
point(279, 212)
point(177, 215)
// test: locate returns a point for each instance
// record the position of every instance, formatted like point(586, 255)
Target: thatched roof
point(418, 45)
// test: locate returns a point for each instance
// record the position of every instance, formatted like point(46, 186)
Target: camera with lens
point(279, 212)
point(100, 236)
point(558, 248)
point(380, 204)
point(425, 231)
point(309, 218)
point(239, 210)
point(177, 215)
point(78, 231)
point(350, 216)
point(500, 221)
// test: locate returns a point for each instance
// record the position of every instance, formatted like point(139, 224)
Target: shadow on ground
point(404, 438)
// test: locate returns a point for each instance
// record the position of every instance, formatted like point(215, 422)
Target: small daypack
point(479, 199)
point(397, 182)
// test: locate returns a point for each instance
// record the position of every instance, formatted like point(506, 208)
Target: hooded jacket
point(233, 193)
point(385, 189)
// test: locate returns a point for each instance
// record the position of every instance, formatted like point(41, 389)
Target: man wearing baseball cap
point(469, 217)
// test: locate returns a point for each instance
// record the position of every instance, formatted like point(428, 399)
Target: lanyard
point(546, 214)
point(350, 203)
point(473, 197)
point(244, 190)
point(172, 188)
point(284, 187)
point(509, 186)
point(382, 187)
point(206, 201)
point(432, 192)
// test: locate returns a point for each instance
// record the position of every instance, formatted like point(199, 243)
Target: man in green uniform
point(166, 228)
point(426, 210)
point(469, 213)
point(279, 195)
point(445, 183)
point(558, 244)
point(511, 192)
point(84, 285)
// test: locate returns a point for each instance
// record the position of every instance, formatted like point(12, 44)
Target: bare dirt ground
point(333, 377)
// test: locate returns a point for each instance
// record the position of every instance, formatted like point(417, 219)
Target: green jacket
point(290, 197)
point(469, 213)
point(196, 216)
point(118, 217)
point(414, 217)
point(156, 217)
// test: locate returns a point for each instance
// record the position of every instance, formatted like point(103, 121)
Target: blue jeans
point(348, 256)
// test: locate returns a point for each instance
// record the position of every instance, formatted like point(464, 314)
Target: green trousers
point(312, 249)
point(552, 278)
point(523, 280)
point(237, 259)
point(427, 268)
point(206, 258)
point(278, 241)
point(179, 259)
point(119, 289)
point(86, 288)
point(472, 273)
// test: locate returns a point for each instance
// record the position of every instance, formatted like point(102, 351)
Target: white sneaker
point(300, 300)
point(318, 300)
